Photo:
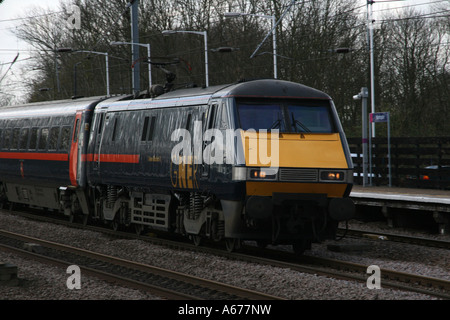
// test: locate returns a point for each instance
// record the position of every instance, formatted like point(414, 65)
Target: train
point(261, 160)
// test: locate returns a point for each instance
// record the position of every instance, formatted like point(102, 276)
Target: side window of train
point(212, 116)
point(188, 122)
point(1, 139)
point(115, 128)
point(33, 139)
point(43, 139)
point(15, 138)
point(222, 117)
point(23, 139)
point(148, 128)
point(100, 125)
point(65, 138)
point(53, 138)
point(6, 138)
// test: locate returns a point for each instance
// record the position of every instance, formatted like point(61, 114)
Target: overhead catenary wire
point(11, 64)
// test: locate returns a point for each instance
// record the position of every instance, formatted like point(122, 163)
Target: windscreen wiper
point(276, 124)
point(296, 123)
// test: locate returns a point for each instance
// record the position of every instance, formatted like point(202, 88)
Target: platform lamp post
point(94, 52)
point(370, 27)
point(115, 43)
point(363, 95)
point(372, 68)
point(167, 32)
point(274, 39)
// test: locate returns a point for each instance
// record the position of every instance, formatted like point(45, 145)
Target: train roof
point(254, 88)
point(53, 108)
point(263, 88)
point(272, 88)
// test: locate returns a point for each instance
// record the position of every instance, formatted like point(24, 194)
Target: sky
point(10, 46)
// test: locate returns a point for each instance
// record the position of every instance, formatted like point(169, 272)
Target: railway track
point(162, 282)
point(435, 287)
point(397, 238)
point(314, 265)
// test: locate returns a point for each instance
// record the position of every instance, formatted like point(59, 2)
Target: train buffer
point(405, 206)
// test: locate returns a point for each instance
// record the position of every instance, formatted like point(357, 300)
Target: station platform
point(393, 201)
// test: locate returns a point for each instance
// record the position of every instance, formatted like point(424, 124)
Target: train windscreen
point(286, 117)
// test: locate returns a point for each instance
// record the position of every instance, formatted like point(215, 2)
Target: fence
point(415, 162)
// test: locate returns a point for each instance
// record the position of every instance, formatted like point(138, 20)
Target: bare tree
point(414, 74)
point(411, 52)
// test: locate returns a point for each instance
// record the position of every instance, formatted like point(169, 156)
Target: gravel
point(39, 281)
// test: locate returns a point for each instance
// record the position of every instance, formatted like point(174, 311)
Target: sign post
point(384, 117)
point(363, 95)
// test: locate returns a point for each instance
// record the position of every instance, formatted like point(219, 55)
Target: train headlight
point(244, 173)
point(332, 175)
point(263, 174)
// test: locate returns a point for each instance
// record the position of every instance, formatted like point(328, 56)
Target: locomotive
point(264, 160)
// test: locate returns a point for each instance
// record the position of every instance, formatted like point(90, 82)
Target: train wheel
point(114, 225)
point(138, 229)
point(299, 246)
point(84, 219)
point(197, 240)
point(233, 244)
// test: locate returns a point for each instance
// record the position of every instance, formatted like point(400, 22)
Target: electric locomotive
point(263, 160)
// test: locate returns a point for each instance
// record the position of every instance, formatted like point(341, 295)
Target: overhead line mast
point(135, 47)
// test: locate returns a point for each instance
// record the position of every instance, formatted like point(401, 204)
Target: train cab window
point(1, 138)
point(314, 119)
point(287, 116)
point(261, 116)
point(33, 139)
point(65, 138)
point(53, 138)
point(23, 141)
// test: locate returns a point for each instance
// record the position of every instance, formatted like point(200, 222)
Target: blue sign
point(379, 117)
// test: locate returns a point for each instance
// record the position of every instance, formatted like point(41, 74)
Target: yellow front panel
point(294, 150)
point(267, 188)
